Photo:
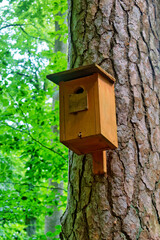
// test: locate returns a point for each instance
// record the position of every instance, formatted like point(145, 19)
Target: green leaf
point(28, 145)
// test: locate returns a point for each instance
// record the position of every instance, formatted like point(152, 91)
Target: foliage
point(30, 152)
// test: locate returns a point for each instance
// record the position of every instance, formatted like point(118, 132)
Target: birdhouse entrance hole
point(79, 90)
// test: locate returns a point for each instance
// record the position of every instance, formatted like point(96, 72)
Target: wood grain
point(82, 71)
point(99, 162)
point(78, 102)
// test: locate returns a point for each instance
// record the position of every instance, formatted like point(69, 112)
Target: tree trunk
point(31, 226)
point(52, 221)
point(59, 45)
point(122, 36)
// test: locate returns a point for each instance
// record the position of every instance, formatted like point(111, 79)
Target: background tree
point(123, 37)
point(53, 220)
point(30, 153)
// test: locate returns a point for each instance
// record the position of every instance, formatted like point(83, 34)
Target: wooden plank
point(82, 121)
point(83, 145)
point(107, 110)
point(97, 107)
point(78, 102)
point(62, 111)
point(99, 162)
point(82, 71)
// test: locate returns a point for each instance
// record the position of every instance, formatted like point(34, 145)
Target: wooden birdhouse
point(87, 112)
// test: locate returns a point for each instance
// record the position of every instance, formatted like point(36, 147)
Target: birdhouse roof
point(79, 72)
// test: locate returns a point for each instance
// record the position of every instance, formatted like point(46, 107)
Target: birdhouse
point(87, 112)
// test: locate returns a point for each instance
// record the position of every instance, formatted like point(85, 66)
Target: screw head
point(80, 135)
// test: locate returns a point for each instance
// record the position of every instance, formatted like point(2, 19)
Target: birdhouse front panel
point(87, 114)
point(78, 111)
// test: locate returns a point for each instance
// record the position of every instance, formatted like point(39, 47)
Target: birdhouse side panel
point(62, 111)
point(107, 110)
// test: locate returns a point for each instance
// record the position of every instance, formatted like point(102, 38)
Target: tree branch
point(39, 186)
point(28, 133)
point(41, 39)
point(12, 25)
point(21, 74)
point(28, 76)
point(20, 25)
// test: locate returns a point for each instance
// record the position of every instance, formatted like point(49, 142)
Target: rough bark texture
point(123, 37)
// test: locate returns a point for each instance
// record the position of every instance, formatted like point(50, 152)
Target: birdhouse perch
point(87, 112)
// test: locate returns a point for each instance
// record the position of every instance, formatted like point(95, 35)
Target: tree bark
point(123, 37)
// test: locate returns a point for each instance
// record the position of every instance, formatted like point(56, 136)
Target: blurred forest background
point(33, 164)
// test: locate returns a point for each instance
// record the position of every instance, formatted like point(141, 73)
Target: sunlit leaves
point(30, 151)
